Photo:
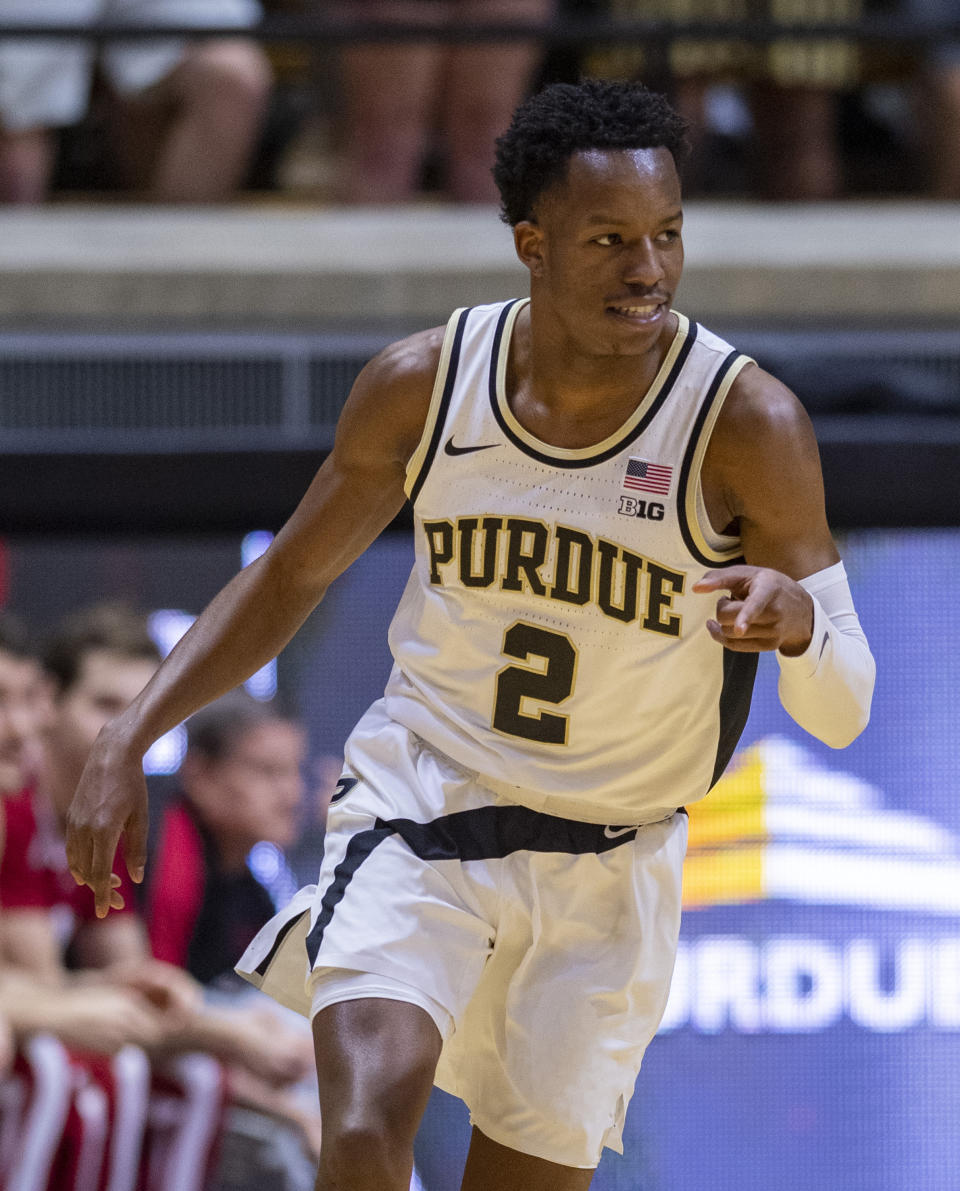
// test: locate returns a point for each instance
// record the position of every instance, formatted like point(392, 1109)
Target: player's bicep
point(778, 481)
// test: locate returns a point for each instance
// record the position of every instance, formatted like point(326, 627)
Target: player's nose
point(643, 266)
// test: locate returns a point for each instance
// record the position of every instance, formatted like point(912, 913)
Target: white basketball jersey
point(548, 638)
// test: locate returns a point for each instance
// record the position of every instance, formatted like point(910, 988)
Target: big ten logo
point(646, 510)
point(790, 984)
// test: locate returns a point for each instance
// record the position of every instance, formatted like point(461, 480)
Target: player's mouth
point(639, 314)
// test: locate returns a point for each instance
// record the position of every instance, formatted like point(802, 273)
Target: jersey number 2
point(548, 678)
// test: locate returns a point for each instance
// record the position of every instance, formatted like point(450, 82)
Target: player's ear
point(528, 242)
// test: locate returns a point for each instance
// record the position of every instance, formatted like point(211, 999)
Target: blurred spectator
point(401, 100)
point(56, 1104)
point(791, 88)
point(98, 661)
point(23, 704)
point(185, 117)
point(241, 785)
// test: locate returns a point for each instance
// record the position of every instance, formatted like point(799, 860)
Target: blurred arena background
point(170, 378)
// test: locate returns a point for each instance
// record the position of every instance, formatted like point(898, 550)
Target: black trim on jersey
point(485, 833)
point(739, 671)
point(452, 365)
point(705, 406)
point(541, 456)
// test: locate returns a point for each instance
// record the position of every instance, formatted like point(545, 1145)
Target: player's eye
point(608, 239)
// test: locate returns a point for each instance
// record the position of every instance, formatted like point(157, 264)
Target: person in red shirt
point(88, 1018)
point(96, 662)
point(66, 1058)
point(23, 703)
point(97, 665)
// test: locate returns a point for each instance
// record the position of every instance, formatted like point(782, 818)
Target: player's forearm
point(246, 625)
point(828, 689)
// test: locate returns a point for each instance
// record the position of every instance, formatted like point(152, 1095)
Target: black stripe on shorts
point(485, 833)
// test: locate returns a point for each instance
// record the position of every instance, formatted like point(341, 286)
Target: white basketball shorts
point(46, 83)
point(542, 947)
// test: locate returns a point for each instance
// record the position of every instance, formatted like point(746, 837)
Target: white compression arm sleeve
point(827, 689)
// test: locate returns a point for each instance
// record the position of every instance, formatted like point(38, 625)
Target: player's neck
point(569, 398)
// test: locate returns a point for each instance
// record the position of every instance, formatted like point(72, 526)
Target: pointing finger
point(725, 580)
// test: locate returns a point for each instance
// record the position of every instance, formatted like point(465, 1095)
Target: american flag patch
point(648, 477)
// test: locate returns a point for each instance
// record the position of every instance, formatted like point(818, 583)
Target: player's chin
point(632, 339)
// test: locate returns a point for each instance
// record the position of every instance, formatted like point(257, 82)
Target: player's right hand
point(110, 801)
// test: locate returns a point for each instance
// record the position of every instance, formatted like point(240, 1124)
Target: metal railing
point(121, 392)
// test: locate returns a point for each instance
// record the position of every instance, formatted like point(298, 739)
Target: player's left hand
point(765, 610)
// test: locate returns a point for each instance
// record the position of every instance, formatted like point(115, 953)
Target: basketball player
point(499, 900)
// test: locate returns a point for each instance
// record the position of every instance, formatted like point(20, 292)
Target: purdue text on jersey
point(555, 562)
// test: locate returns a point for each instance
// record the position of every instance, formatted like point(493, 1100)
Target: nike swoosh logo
point(614, 832)
point(450, 449)
point(823, 646)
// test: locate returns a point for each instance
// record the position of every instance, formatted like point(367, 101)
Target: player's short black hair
point(566, 118)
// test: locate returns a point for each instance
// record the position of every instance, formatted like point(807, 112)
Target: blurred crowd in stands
point(205, 120)
point(131, 1056)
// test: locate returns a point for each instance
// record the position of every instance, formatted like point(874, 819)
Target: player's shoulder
point(387, 407)
point(761, 404)
point(407, 364)
point(762, 430)
point(412, 363)
point(757, 404)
